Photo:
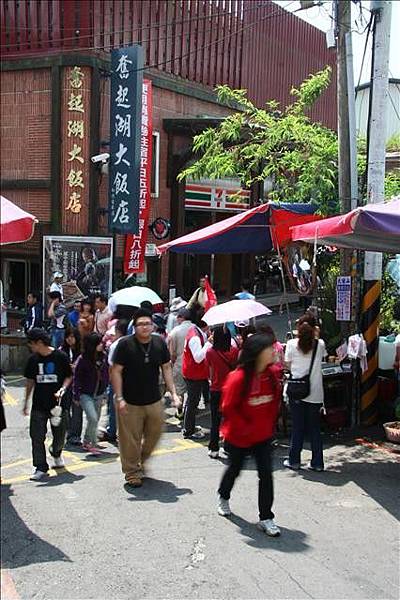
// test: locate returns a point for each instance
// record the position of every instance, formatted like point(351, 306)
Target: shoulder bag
point(299, 388)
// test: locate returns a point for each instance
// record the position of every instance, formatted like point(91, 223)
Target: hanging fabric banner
point(135, 245)
point(125, 130)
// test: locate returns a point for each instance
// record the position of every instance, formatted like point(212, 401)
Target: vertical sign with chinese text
point(135, 245)
point(75, 150)
point(125, 129)
point(343, 298)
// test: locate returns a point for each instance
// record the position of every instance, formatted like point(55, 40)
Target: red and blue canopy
point(374, 227)
point(257, 231)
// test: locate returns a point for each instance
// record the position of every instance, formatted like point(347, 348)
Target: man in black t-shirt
point(48, 374)
point(135, 378)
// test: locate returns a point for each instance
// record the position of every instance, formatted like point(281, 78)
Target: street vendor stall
point(16, 226)
point(257, 231)
point(374, 227)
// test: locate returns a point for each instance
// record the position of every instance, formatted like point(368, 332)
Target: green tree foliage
point(301, 157)
point(392, 184)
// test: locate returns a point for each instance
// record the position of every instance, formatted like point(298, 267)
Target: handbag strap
point(313, 357)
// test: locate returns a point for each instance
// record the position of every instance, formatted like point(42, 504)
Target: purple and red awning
point(257, 231)
point(16, 225)
point(374, 227)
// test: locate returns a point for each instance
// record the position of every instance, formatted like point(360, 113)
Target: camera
point(100, 158)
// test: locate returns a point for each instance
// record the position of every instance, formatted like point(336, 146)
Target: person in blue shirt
point(245, 294)
point(73, 314)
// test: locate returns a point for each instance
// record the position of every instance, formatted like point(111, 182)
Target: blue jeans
point(57, 337)
point(305, 419)
point(112, 423)
point(92, 408)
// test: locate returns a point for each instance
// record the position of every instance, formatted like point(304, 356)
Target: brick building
point(189, 47)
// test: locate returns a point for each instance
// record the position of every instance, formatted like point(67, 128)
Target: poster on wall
point(134, 258)
point(86, 264)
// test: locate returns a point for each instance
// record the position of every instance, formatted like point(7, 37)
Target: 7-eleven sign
point(218, 198)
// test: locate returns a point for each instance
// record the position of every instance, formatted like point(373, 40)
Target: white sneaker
point(269, 527)
point(38, 475)
point(213, 453)
point(223, 507)
point(59, 462)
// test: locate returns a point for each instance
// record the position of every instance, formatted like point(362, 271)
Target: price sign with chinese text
point(343, 299)
point(135, 245)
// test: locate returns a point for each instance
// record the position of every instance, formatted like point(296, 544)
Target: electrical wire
point(137, 29)
point(393, 104)
point(199, 49)
point(371, 20)
point(340, 23)
point(216, 42)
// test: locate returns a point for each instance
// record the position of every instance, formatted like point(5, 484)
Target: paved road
point(82, 535)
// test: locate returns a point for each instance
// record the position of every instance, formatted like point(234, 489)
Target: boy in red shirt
point(250, 407)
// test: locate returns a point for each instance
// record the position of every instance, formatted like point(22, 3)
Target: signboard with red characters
point(135, 245)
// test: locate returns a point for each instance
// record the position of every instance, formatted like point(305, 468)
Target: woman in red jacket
point(250, 406)
point(221, 360)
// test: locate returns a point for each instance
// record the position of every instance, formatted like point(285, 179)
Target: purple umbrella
point(374, 227)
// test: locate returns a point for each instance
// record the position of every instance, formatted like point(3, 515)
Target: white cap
point(58, 275)
point(177, 304)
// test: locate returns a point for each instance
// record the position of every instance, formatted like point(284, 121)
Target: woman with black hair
point(90, 381)
point(303, 357)
point(250, 406)
point(86, 318)
point(221, 360)
point(72, 348)
point(71, 345)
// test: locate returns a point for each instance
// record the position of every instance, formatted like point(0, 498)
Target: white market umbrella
point(133, 296)
point(235, 310)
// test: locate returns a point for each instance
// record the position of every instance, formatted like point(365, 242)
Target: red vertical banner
point(135, 245)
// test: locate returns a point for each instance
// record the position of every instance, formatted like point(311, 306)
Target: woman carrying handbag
point(303, 358)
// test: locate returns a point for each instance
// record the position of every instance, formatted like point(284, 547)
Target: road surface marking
point(9, 400)
point(8, 591)
point(181, 446)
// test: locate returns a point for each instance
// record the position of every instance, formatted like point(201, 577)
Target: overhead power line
point(173, 23)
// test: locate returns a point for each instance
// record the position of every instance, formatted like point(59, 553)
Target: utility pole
point(375, 194)
point(343, 26)
point(348, 184)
